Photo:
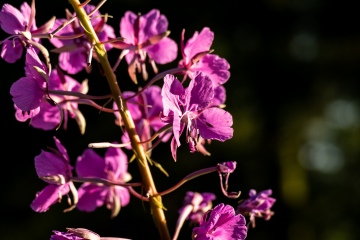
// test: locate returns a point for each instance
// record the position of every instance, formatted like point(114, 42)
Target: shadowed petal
point(90, 164)
point(11, 53)
point(26, 93)
point(116, 161)
point(48, 118)
point(201, 91)
point(123, 194)
point(72, 62)
point(171, 89)
point(91, 196)
point(49, 164)
point(49, 196)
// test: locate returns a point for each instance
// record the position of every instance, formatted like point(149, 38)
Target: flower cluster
point(187, 101)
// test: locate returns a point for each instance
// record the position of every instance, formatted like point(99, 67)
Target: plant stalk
point(147, 179)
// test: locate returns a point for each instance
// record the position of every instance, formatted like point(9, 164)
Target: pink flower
point(145, 110)
point(21, 25)
point(146, 35)
point(197, 57)
point(74, 52)
point(54, 168)
point(114, 168)
point(258, 205)
point(49, 116)
point(191, 109)
point(28, 92)
point(221, 223)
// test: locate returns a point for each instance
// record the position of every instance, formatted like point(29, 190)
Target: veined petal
point(116, 162)
point(91, 196)
point(11, 53)
point(73, 62)
point(26, 93)
point(22, 116)
point(50, 164)
point(215, 67)
point(123, 194)
point(11, 19)
point(200, 42)
point(151, 24)
point(221, 224)
point(49, 196)
point(164, 51)
point(63, 151)
point(31, 60)
point(219, 96)
point(152, 94)
point(200, 91)
point(171, 89)
point(90, 164)
point(26, 12)
point(48, 117)
point(127, 27)
point(215, 123)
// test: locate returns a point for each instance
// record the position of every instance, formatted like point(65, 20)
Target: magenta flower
point(28, 91)
point(221, 223)
point(21, 25)
point(49, 116)
point(197, 57)
point(145, 110)
point(199, 204)
point(54, 168)
point(258, 205)
point(195, 206)
point(190, 108)
point(74, 52)
point(146, 35)
point(114, 168)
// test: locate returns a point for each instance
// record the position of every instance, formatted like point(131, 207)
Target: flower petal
point(50, 164)
point(200, 42)
point(49, 196)
point(11, 53)
point(91, 196)
point(116, 162)
point(200, 91)
point(90, 164)
point(26, 93)
point(11, 19)
point(164, 51)
point(215, 67)
point(215, 123)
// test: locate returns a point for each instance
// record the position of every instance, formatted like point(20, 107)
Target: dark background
point(294, 97)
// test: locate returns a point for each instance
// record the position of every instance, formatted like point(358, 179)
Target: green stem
point(147, 179)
